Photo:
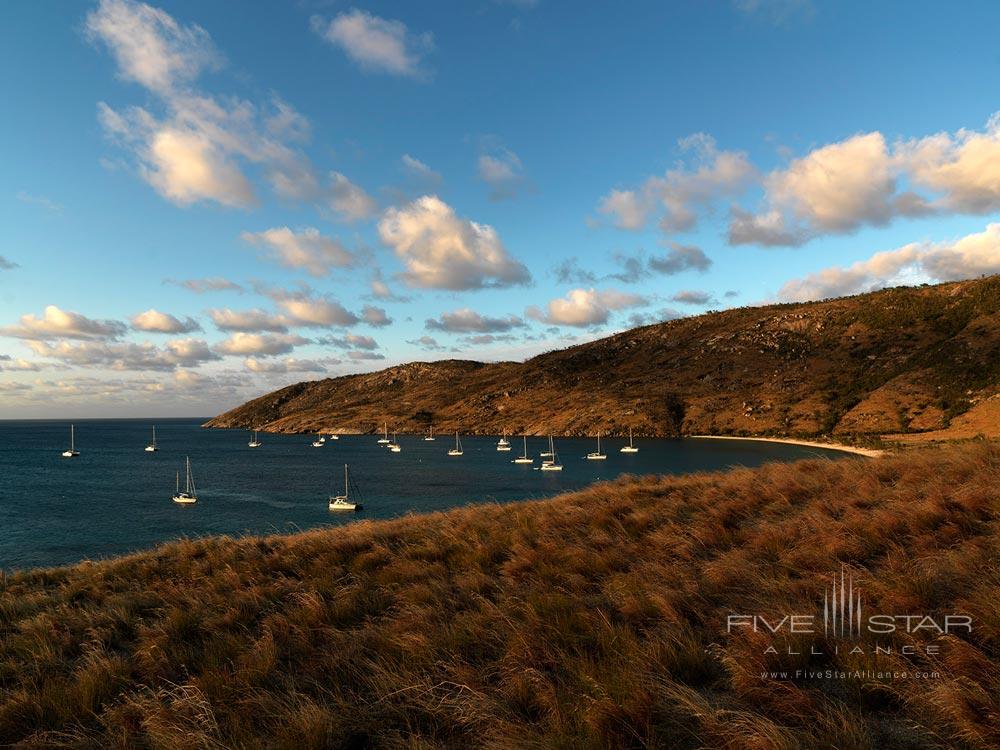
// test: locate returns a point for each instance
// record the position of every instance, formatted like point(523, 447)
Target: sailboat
point(190, 494)
point(254, 442)
point(319, 442)
point(343, 502)
point(151, 448)
point(384, 440)
point(524, 458)
point(430, 435)
point(394, 445)
point(629, 448)
point(72, 452)
point(502, 444)
point(334, 436)
point(457, 450)
point(553, 463)
point(597, 455)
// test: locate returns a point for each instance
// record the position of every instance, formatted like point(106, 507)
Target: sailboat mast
point(345, 480)
point(72, 437)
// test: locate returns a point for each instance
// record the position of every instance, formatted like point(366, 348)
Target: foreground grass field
point(596, 619)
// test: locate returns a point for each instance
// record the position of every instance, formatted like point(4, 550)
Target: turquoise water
point(115, 498)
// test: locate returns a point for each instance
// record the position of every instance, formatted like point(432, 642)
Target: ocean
point(115, 498)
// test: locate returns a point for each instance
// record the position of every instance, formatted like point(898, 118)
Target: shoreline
point(869, 452)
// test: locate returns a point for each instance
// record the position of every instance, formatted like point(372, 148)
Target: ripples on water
point(115, 498)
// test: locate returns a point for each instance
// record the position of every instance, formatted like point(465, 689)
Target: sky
point(202, 202)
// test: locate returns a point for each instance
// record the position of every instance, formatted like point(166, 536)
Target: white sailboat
point(394, 445)
point(457, 450)
point(319, 442)
point(597, 455)
point(430, 435)
point(151, 448)
point(190, 494)
point(254, 442)
point(629, 448)
point(524, 458)
point(502, 443)
point(343, 502)
point(72, 452)
point(334, 436)
point(552, 464)
point(384, 440)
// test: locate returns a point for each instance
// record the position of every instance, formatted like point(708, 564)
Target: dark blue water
point(115, 498)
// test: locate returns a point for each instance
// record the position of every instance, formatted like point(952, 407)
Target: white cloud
point(416, 168)
point(376, 44)
point(963, 169)
point(23, 365)
point(150, 47)
point(153, 320)
point(348, 200)
point(303, 308)
point(260, 344)
point(350, 341)
point(127, 355)
point(584, 307)
point(287, 365)
point(248, 321)
point(466, 320)
point(194, 151)
point(502, 171)
point(201, 286)
point(968, 257)
point(442, 251)
point(680, 258)
point(833, 189)
point(40, 200)
point(307, 249)
point(692, 297)
point(684, 190)
point(57, 323)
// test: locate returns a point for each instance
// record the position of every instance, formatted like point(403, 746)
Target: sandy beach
point(869, 452)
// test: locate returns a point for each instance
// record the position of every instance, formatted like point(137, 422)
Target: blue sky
point(205, 201)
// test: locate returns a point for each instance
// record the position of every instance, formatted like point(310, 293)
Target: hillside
point(592, 620)
point(894, 361)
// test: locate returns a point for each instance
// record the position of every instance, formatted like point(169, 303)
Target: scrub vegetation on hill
point(906, 360)
point(596, 619)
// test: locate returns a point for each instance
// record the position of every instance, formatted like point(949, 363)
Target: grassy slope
point(896, 360)
point(595, 619)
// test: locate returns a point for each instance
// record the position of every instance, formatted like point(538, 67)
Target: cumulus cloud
point(348, 200)
point(57, 323)
point(680, 258)
point(260, 344)
point(467, 320)
point(428, 343)
point(201, 286)
point(194, 151)
point(248, 321)
point(692, 297)
point(443, 251)
point(290, 364)
point(308, 250)
point(127, 355)
point(362, 355)
point(11, 364)
point(7, 265)
point(679, 195)
point(833, 189)
point(376, 44)
point(502, 171)
point(304, 308)
point(349, 341)
point(584, 307)
point(968, 257)
point(375, 316)
point(154, 321)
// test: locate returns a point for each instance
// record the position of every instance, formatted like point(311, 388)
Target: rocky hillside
point(902, 360)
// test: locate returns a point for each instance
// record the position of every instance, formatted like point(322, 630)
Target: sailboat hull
point(629, 449)
point(185, 499)
point(341, 503)
point(70, 454)
point(551, 467)
point(150, 449)
point(596, 457)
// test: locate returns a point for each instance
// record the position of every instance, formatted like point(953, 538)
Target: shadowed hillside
point(897, 360)
point(593, 620)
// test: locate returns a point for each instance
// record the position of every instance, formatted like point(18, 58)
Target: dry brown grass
point(592, 620)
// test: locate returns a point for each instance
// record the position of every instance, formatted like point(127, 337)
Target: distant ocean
point(115, 498)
